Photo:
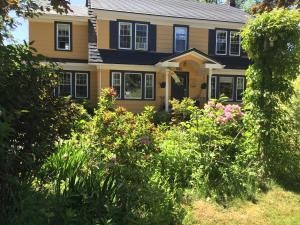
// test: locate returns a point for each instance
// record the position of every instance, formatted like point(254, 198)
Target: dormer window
point(235, 42)
point(221, 42)
point(63, 36)
point(141, 36)
point(180, 38)
point(125, 35)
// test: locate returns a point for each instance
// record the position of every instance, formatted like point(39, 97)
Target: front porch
point(188, 75)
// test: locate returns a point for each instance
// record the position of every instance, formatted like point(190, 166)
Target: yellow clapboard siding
point(198, 39)
point(103, 34)
point(42, 33)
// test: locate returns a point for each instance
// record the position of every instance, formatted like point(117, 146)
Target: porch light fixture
point(162, 84)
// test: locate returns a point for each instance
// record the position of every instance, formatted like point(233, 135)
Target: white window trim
point(119, 35)
point(141, 75)
point(63, 49)
point(87, 84)
point(71, 84)
point(236, 89)
point(147, 36)
point(230, 44)
point(233, 88)
point(186, 41)
point(152, 75)
point(216, 80)
point(220, 31)
point(112, 82)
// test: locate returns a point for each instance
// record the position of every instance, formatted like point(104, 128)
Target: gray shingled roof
point(77, 11)
point(174, 8)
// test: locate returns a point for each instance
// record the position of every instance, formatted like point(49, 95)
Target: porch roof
point(191, 52)
point(151, 58)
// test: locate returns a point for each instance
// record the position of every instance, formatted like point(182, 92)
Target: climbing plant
point(272, 42)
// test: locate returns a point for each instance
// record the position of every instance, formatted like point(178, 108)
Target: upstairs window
point(65, 84)
point(235, 42)
point(221, 42)
point(141, 36)
point(63, 36)
point(125, 35)
point(180, 38)
point(81, 85)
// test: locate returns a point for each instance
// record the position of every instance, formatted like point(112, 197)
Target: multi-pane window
point(141, 36)
point(240, 87)
point(226, 87)
point(149, 86)
point(234, 47)
point(63, 36)
point(231, 87)
point(65, 84)
point(125, 35)
point(214, 87)
point(81, 85)
point(133, 86)
point(180, 38)
point(116, 81)
point(221, 42)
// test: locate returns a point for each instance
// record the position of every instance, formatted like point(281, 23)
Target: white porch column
point(209, 82)
point(167, 92)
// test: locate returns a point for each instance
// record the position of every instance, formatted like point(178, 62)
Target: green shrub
point(178, 155)
point(227, 169)
point(32, 120)
point(182, 110)
point(105, 175)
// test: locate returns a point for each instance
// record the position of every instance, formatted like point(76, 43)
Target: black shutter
point(152, 37)
point(211, 42)
point(113, 40)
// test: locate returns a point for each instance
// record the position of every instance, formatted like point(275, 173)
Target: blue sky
point(21, 32)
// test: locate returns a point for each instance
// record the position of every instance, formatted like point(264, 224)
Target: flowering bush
point(227, 165)
point(223, 114)
point(208, 151)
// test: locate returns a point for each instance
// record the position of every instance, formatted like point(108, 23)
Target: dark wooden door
point(180, 90)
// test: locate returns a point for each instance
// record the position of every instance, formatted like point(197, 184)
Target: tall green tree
point(32, 119)
point(268, 5)
point(272, 42)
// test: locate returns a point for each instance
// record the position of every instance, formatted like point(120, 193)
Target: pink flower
point(210, 114)
point(211, 103)
point(228, 108)
point(219, 106)
point(228, 116)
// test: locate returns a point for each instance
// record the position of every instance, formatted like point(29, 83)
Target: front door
point(180, 90)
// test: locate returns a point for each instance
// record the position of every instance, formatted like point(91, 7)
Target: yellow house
point(149, 51)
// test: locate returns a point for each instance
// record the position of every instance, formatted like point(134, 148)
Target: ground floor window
point(74, 84)
point(133, 85)
point(65, 84)
point(230, 86)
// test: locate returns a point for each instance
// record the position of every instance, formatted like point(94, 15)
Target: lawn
point(276, 207)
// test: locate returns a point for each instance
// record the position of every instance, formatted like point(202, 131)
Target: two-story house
point(149, 51)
